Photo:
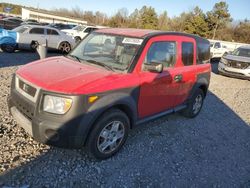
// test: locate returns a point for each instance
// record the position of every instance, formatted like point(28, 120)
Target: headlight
point(223, 60)
point(56, 105)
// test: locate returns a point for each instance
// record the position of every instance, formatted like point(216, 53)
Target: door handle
point(178, 78)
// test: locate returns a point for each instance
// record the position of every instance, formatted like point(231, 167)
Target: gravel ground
point(212, 150)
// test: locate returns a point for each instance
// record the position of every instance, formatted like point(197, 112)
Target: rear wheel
point(195, 104)
point(109, 134)
point(10, 48)
point(64, 47)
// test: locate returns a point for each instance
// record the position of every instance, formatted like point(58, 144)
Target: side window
point(162, 52)
point(217, 45)
point(39, 31)
point(52, 32)
point(88, 30)
point(187, 53)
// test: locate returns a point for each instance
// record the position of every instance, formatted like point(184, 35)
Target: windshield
point(113, 51)
point(79, 28)
point(245, 52)
point(21, 29)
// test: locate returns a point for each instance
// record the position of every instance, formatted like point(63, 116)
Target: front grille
point(25, 107)
point(238, 65)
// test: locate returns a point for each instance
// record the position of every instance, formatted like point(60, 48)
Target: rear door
point(53, 38)
point(187, 69)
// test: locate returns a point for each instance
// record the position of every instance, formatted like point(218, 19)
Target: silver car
point(28, 36)
point(236, 64)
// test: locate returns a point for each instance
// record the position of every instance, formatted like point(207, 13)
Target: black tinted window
point(187, 53)
point(162, 52)
point(203, 51)
point(37, 31)
point(15, 20)
point(217, 45)
point(52, 32)
point(89, 30)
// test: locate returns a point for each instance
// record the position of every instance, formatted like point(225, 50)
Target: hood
point(237, 58)
point(63, 75)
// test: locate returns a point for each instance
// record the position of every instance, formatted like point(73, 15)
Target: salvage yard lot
point(211, 150)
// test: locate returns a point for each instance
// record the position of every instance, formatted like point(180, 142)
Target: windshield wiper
point(75, 57)
point(100, 64)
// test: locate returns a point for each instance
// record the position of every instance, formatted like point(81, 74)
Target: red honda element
point(113, 80)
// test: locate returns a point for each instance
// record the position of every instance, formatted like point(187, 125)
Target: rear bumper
point(234, 72)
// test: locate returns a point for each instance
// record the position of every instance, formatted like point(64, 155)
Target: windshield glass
point(113, 51)
point(79, 28)
point(21, 29)
point(242, 52)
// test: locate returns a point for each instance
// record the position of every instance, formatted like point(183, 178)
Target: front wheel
point(108, 135)
point(195, 104)
point(64, 47)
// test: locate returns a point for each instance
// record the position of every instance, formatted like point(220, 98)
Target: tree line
point(214, 24)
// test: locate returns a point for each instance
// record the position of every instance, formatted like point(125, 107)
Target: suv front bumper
point(69, 130)
point(234, 72)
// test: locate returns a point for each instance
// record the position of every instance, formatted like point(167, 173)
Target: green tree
point(148, 18)
point(134, 18)
point(242, 32)
point(163, 21)
point(218, 17)
point(195, 23)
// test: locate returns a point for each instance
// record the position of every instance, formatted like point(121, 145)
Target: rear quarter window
point(203, 51)
point(187, 53)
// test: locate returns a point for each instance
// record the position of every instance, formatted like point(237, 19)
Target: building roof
point(42, 11)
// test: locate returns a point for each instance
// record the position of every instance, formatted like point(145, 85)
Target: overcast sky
point(239, 9)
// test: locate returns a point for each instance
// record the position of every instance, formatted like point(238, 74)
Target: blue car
point(8, 40)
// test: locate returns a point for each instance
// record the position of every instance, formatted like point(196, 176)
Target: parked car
point(10, 23)
point(113, 80)
point(218, 48)
point(8, 40)
point(29, 35)
point(62, 26)
point(236, 64)
point(80, 31)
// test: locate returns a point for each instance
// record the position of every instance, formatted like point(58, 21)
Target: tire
point(64, 47)
point(9, 48)
point(77, 39)
point(108, 135)
point(194, 105)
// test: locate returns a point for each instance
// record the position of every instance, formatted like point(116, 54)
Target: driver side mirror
point(153, 67)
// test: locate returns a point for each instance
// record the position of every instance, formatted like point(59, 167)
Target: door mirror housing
point(153, 67)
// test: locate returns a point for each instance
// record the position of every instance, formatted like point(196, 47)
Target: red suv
point(113, 80)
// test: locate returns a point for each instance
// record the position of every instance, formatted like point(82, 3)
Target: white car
point(29, 35)
point(80, 31)
point(236, 64)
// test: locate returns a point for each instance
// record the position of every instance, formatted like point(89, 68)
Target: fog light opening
point(51, 135)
